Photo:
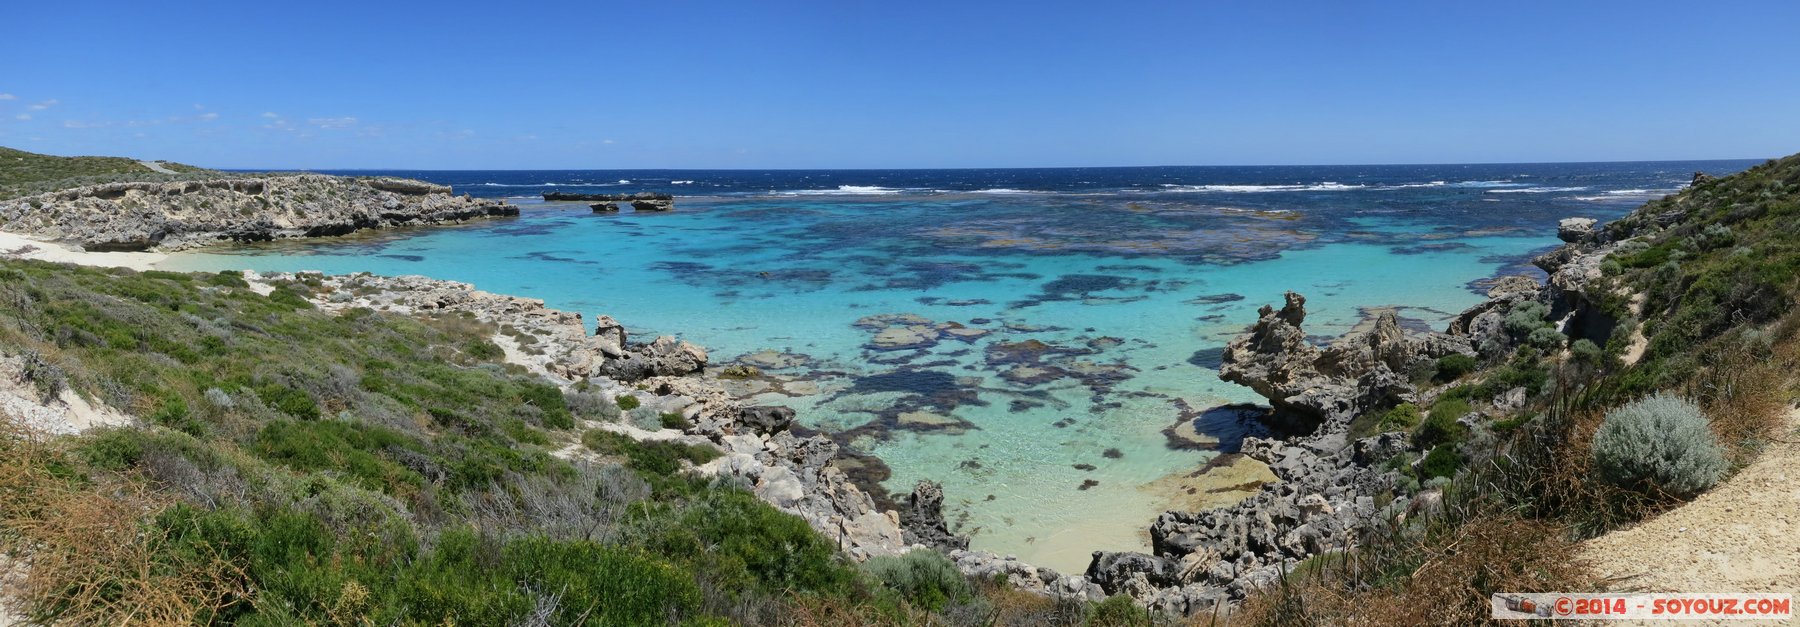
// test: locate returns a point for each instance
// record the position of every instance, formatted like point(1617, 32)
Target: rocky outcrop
point(1326, 494)
point(652, 205)
point(986, 566)
point(1485, 324)
point(189, 214)
point(663, 357)
point(605, 207)
point(922, 519)
point(1574, 230)
point(1311, 387)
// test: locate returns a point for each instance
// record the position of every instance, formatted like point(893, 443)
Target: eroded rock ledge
point(190, 214)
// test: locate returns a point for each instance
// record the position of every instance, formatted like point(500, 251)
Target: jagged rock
point(665, 356)
point(987, 566)
point(190, 214)
point(1114, 572)
point(766, 420)
point(605, 207)
point(652, 205)
point(1573, 230)
point(1483, 324)
point(922, 519)
point(1702, 178)
point(1309, 386)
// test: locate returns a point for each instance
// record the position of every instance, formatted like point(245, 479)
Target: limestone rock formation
point(189, 214)
point(1311, 386)
point(1574, 230)
point(922, 519)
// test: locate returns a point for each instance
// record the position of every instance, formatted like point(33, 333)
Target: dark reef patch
point(1214, 299)
point(1228, 424)
point(1209, 358)
point(403, 257)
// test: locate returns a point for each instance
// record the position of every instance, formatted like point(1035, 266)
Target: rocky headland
point(168, 216)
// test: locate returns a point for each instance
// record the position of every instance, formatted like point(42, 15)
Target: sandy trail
point(1742, 536)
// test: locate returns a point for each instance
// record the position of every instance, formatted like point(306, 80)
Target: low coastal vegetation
point(26, 173)
point(1688, 375)
point(301, 467)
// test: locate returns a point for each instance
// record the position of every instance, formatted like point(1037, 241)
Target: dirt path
point(1742, 536)
point(156, 166)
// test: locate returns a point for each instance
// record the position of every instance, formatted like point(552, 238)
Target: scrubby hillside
point(1659, 360)
point(25, 173)
point(298, 466)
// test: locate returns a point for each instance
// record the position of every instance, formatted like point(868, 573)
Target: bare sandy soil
point(1742, 536)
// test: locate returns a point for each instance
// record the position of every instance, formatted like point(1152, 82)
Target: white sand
point(16, 246)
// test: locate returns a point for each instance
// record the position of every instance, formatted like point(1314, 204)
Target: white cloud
point(23, 116)
point(8, 97)
point(79, 124)
point(271, 115)
point(45, 104)
point(199, 107)
point(343, 122)
point(607, 141)
point(208, 117)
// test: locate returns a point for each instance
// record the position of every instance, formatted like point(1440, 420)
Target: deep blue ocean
point(1066, 405)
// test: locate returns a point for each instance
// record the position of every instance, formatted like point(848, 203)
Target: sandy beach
point(16, 246)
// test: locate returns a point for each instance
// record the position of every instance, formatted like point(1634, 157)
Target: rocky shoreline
point(143, 216)
point(1331, 485)
point(795, 473)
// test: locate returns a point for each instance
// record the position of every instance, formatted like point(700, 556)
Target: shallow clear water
point(1129, 279)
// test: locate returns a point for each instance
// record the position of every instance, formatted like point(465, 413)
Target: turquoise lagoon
point(1095, 303)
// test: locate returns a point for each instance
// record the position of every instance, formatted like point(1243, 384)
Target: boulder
point(1574, 230)
point(766, 420)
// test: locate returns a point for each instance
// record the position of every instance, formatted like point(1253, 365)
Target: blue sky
point(855, 83)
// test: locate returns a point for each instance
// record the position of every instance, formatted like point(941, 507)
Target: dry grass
point(91, 556)
point(1745, 389)
point(1456, 572)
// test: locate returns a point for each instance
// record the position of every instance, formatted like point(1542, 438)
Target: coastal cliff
point(176, 215)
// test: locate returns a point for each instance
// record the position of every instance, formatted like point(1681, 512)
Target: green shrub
point(644, 418)
point(1442, 461)
point(1525, 318)
point(1453, 366)
point(1585, 351)
point(739, 542)
point(1659, 443)
point(674, 421)
point(1400, 418)
point(1440, 426)
point(925, 578)
point(1118, 611)
point(627, 402)
point(653, 457)
point(1546, 339)
point(549, 400)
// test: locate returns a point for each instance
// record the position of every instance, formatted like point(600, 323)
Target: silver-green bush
point(1661, 442)
point(923, 577)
